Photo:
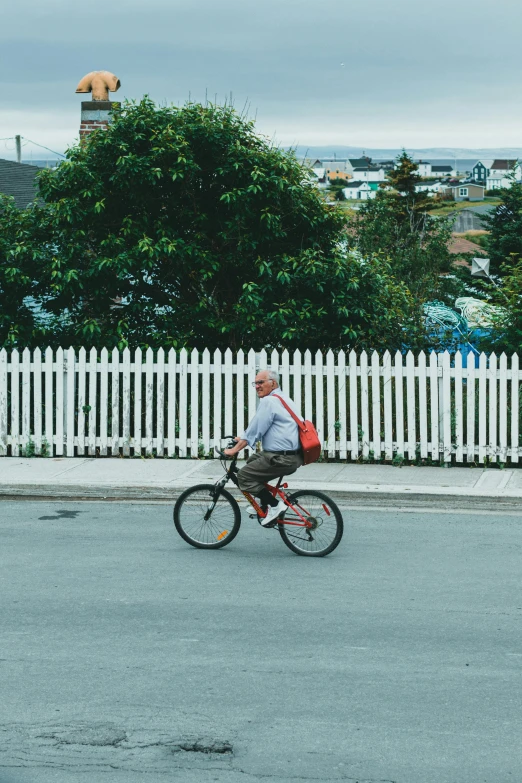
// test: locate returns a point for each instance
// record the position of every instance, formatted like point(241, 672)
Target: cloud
point(411, 70)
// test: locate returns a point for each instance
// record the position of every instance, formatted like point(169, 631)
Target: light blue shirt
point(273, 425)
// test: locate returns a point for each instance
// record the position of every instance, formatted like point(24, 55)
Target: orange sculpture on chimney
point(99, 83)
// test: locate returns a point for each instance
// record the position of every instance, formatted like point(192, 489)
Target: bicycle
point(207, 516)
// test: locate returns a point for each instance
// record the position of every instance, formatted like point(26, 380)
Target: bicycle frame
point(231, 474)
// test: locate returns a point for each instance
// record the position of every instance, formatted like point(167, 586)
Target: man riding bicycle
point(279, 435)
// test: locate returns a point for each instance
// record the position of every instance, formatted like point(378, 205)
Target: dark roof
point(353, 184)
point(360, 162)
point(18, 180)
point(441, 168)
point(503, 165)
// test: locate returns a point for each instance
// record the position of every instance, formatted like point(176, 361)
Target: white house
point(424, 168)
point(429, 186)
point(358, 191)
point(497, 181)
point(501, 167)
point(369, 174)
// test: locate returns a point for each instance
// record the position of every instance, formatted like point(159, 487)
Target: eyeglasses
point(258, 383)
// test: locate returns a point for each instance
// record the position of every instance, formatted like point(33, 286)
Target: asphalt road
point(128, 656)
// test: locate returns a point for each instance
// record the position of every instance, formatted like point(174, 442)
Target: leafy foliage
point(504, 243)
point(181, 226)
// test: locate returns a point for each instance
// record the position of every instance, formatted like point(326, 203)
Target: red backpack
point(310, 443)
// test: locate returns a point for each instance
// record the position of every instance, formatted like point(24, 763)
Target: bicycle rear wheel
point(327, 524)
point(207, 518)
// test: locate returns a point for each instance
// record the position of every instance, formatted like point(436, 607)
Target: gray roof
point(18, 180)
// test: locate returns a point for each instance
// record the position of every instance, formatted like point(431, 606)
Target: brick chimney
point(95, 114)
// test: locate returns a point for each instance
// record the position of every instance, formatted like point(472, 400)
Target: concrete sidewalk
point(163, 479)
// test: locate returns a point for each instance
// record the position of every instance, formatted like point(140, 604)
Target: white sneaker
point(272, 513)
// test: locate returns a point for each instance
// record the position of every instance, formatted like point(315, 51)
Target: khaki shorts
point(265, 466)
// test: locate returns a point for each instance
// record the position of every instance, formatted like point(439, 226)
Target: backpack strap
point(297, 420)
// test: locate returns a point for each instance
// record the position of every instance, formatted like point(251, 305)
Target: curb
point(387, 497)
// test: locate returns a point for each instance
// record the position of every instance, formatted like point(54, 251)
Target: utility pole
point(18, 142)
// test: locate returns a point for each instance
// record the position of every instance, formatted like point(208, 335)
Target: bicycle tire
point(324, 512)
point(189, 512)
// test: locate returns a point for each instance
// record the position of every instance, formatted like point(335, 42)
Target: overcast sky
point(370, 73)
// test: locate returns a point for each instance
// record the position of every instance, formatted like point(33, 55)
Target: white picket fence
point(183, 404)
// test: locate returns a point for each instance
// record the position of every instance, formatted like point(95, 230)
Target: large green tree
point(396, 225)
point(181, 226)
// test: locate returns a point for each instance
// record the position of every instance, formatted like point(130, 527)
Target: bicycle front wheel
point(326, 528)
point(206, 519)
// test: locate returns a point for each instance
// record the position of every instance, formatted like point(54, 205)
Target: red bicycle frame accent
point(277, 492)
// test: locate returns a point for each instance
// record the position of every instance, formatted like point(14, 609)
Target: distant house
point(369, 174)
point(358, 191)
point(429, 186)
point(501, 167)
point(465, 192)
point(424, 169)
point(498, 181)
point(319, 175)
point(442, 171)
point(18, 180)
point(480, 171)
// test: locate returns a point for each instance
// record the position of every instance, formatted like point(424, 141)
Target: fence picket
point(446, 405)
point(365, 402)
point(229, 395)
point(171, 404)
point(115, 407)
point(82, 400)
point(502, 409)
point(240, 393)
point(434, 406)
point(25, 435)
point(308, 407)
point(482, 402)
point(399, 404)
point(138, 384)
point(252, 396)
point(493, 397)
point(126, 400)
point(4, 401)
point(471, 450)
point(388, 409)
point(423, 409)
point(93, 400)
point(50, 404)
point(342, 433)
point(330, 404)
point(205, 401)
point(354, 407)
point(319, 398)
point(149, 401)
point(60, 400)
point(160, 403)
point(194, 403)
point(459, 445)
point(37, 400)
point(15, 403)
point(376, 405)
point(410, 405)
point(514, 407)
point(104, 400)
point(217, 399)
